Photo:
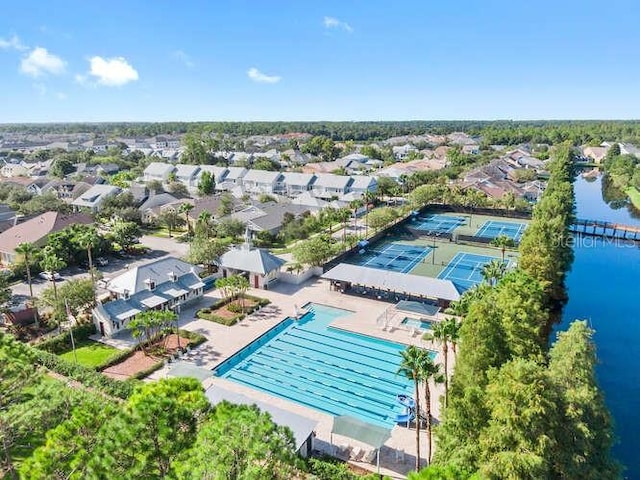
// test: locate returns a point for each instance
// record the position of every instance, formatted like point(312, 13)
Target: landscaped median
point(231, 310)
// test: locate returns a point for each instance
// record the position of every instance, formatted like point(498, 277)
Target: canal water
point(604, 286)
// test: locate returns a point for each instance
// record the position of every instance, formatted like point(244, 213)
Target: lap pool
point(333, 371)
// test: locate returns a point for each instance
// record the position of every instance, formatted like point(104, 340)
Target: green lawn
point(90, 353)
point(634, 196)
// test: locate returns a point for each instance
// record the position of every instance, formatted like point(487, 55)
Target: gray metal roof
point(329, 180)
point(261, 176)
point(394, 281)
point(298, 179)
point(94, 195)
point(302, 427)
point(158, 168)
point(184, 170)
point(134, 279)
point(253, 260)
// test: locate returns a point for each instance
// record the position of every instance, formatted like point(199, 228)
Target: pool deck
point(222, 342)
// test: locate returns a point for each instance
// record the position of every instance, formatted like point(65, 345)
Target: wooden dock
point(599, 228)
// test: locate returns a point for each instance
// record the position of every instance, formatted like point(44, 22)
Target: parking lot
point(158, 248)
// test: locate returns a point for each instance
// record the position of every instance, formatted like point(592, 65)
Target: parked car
point(50, 276)
point(102, 261)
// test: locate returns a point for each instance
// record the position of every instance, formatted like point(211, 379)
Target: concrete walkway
point(222, 342)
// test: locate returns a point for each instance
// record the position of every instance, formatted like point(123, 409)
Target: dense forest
point(503, 132)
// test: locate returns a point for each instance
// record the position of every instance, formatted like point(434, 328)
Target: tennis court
point(465, 269)
point(396, 257)
point(437, 223)
point(495, 228)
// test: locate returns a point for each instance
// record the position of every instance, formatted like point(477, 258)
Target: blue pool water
point(396, 257)
point(415, 323)
point(336, 372)
point(465, 269)
point(495, 228)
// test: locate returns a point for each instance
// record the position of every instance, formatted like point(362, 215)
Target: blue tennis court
point(465, 269)
point(495, 228)
point(396, 257)
point(437, 223)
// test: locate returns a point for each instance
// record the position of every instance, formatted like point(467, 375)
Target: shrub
point(85, 375)
point(327, 468)
point(208, 313)
point(62, 342)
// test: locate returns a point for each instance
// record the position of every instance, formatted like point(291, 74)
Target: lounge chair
point(356, 454)
point(369, 456)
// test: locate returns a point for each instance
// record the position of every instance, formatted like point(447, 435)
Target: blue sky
point(332, 60)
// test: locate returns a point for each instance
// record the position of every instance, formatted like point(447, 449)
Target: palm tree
point(429, 371)
point(89, 240)
point(493, 271)
point(52, 263)
point(368, 197)
point(440, 332)
point(186, 208)
point(410, 367)
point(344, 214)
point(453, 325)
point(503, 242)
point(28, 251)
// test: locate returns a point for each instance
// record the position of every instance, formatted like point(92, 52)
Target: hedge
point(85, 375)
point(62, 342)
point(195, 339)
point(327, 468)
point(208, 313)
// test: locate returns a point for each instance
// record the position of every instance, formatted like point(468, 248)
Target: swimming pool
point(415, 323)
point(331, 370)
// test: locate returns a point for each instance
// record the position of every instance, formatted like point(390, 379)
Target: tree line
point(517, 409)
point(503, 132)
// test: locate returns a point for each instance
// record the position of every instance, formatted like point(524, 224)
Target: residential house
point(296, 183)
point(294, 157)
point(165, 284)
point(107, 168)
point(162, 142)
point(595, 154)
point(232, 179)
point(186, 174)
point(362, 184)
point(268, 217)
point(93, 198)
point(241, 159)
point(260, 266)
point(328, 185)
point(212, 204)
point(217, 173)
point(308, 201)
point(32, 185)
point(158, 171)
point(36, 230)
point(402, 152)
point(154, 203)
point(471, 149)
point(11, 170)
point(262, 182)
point(66, 190)
point(8, 217)
point(629, 149)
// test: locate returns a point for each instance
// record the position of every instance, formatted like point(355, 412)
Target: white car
point(50, 276)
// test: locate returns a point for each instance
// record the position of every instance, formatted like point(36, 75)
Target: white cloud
point(110, 72)
point(61, 96)
point(183, 57)
point(259, 77)
point(12, 43)
point(40, 62)
point(334, 23)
